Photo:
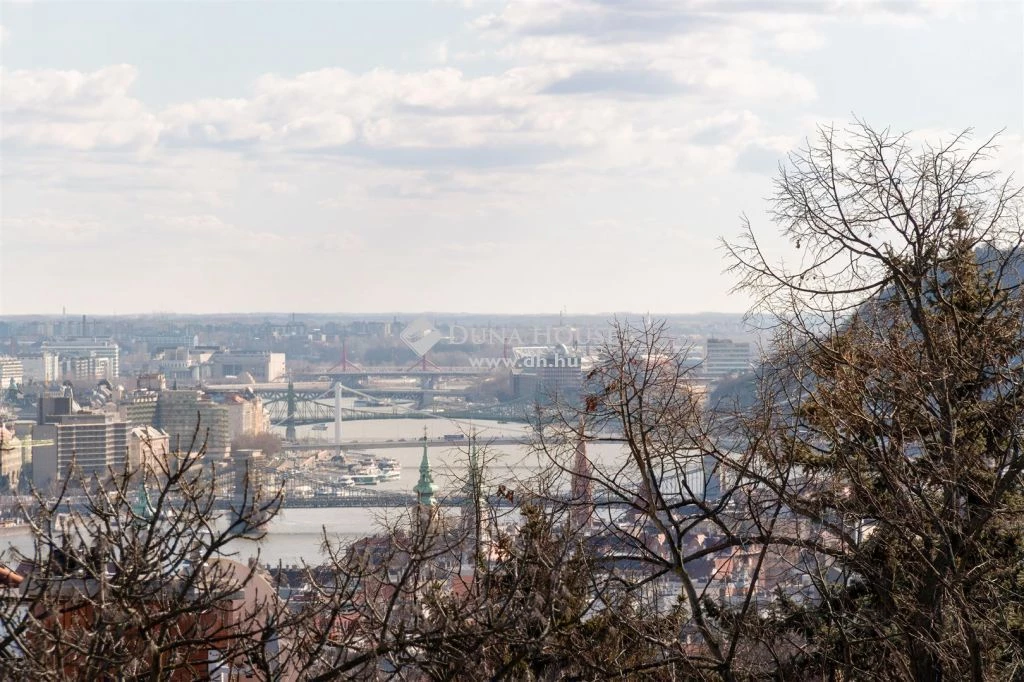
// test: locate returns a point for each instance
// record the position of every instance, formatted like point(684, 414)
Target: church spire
point(581, 484)
point(142, 507)
point(425, 487)
point(473, 491)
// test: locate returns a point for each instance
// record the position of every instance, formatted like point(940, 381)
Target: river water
point(296, 534)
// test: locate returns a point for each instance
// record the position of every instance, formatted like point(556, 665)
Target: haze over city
point(455, 156)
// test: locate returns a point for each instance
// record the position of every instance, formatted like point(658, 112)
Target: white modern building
point(104, 354)
point(723, 357)
point(261, 365)
point(10, 371)
point(42, 367)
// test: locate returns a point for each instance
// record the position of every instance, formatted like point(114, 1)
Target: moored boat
point(366, 475)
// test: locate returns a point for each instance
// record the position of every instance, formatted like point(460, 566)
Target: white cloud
point(539, 118)
point(212, 232)
point(75, 109)
point(52, 229)
point(569, 92)
point(282, 187)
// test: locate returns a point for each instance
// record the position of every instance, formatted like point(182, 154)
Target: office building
point(55, 404)
point(139, 408)
point(42, 367)
point(547, 373)
point(11, 372)
point(105, 356)
point(79, 446)
point(723, 357)
point(192, 420)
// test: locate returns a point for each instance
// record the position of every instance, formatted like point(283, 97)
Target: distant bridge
point(322, 387)
point(417, 370)
point(402, 443)
point(370, 497)
point(302, 404)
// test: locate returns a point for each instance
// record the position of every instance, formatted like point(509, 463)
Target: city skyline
point(481, 157)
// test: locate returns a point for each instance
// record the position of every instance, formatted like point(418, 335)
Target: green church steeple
point(425, 487)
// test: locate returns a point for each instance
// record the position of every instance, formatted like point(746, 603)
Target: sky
point(515, 157)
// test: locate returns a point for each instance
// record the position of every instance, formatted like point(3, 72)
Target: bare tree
point(673, 522)
point(130, 579)
point(896, 394)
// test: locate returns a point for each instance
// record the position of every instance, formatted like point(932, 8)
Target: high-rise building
point(11, 371)
point(546, 373)
point(190, 415)
point(55, 404)
point(86, 369)
point(723, 357)
point(82, 444)
point(139, 408)
point(105, 354)
point(42, 367)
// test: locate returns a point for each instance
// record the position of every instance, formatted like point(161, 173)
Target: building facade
point(723, 357)
point(245, 415)
point(188, 416)
point(139, 408)
point(11, 372)
point(145, 445)
point(104, 355)
point(10, 456)
point(547, 373)
point(262, 366)
point(82, 444)
point(42, 367)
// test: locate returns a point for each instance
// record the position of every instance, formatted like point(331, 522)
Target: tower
point(337, 414)
point(425, 487)
point(581, 487)
point(472, 520)
point(142, 507)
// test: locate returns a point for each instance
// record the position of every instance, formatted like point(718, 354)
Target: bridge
point(303, 403)
point(418, 370)
point(369, 497)
point(401, 443)
point(323, 387)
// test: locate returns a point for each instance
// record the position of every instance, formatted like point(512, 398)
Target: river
point(296, 533)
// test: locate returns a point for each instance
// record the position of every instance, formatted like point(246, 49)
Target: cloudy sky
point(446, 156)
